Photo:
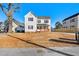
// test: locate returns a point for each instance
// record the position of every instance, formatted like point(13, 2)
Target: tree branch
point(3, 9)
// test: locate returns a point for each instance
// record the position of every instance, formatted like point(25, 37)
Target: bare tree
point(9, 9)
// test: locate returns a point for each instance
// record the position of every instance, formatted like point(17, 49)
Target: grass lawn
point(41, 38)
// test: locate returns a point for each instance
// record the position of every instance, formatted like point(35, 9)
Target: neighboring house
point(17, 25)
point(37, 23)
point(1, 27)
point(71, 22)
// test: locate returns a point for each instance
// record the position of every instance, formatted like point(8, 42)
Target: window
point(30, 19)
point(39, 27)
point(30, 27)
point(72, 26)
point(39, 21)
point(65, 27)
point(72, 20)
point(46, 21)
point(64, 22)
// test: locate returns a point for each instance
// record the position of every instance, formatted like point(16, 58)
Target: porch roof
point(43, 17)
point(42, 25)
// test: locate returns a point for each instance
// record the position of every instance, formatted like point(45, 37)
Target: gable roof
point(40, 17)
point(71, 17)
point(30, 13)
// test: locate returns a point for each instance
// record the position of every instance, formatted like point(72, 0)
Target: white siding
point(49, 24)
point(34, 22)
point(14, 26)
point(69, 24)
point(78, 22)
point(27, 23)
point(42, 22)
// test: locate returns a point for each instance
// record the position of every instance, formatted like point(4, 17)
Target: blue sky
point(57, 11)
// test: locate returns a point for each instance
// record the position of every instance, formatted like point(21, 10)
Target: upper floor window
point(30, 19)
point(39, 21)
point(46, 21)
point(64, 22)
point(72, 20)
point(30, 27)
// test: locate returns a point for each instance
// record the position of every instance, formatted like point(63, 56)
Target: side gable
point(29, 14)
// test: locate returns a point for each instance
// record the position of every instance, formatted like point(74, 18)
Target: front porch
point(42, 28)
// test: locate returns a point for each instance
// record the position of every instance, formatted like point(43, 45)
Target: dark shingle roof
point(42, 25)
point(43, 17)
point(70, 17)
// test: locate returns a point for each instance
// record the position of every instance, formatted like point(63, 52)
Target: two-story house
point(35, 23)
point(71, 22)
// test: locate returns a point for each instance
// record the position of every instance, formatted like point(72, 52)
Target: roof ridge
point(71, 16)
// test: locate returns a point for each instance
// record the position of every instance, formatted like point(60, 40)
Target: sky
point(56, 11)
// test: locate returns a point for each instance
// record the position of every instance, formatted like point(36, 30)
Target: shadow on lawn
point(68, 41)
point(42, 46)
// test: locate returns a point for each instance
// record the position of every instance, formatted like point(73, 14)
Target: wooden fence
point(66, 30)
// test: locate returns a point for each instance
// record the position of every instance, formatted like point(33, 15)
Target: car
point(19, 29)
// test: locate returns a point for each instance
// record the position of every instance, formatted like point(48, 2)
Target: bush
point(65, 30)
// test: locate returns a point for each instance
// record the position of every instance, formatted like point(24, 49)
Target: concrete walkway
point(56, 51)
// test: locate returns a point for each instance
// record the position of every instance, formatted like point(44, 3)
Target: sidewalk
point(74, 51)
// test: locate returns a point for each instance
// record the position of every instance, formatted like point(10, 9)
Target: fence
point(66, 30)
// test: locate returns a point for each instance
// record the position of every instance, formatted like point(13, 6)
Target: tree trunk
point(9, 24)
